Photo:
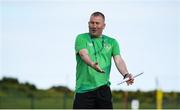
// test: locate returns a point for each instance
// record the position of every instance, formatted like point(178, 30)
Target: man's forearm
point(121, 66)
point(85, 57)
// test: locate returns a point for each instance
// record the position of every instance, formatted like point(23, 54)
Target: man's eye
point(97, 23)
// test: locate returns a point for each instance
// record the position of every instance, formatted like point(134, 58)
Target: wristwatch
point(126, 75)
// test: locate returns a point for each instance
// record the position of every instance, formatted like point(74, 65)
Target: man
point(94, 52)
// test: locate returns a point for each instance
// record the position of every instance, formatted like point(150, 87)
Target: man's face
point(96, 26)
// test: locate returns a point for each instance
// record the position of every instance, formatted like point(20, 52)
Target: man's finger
point(130, 82)
point(102, 71)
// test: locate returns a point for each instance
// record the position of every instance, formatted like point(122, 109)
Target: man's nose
point(94, 25)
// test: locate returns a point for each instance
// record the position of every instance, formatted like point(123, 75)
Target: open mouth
point(94, 30)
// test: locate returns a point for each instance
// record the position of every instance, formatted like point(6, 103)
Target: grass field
point(64, 103)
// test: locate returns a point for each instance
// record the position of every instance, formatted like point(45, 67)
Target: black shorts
point(101, 98)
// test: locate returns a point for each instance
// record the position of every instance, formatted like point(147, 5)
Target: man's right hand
point(85, 57)
point(97, 68)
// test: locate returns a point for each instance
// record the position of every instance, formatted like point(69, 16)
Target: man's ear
point(104, 26)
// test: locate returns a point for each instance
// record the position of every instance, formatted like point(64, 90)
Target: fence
point(66, 102)
point(35, 102)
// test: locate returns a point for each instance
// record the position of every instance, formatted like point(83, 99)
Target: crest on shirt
point(107, 46)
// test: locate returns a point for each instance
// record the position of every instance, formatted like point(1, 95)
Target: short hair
point(98, 14)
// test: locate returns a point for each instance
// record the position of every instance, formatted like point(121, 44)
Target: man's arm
point(121, 66)
point(85, 57)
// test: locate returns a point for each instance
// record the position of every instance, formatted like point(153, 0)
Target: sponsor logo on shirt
point(90, 44)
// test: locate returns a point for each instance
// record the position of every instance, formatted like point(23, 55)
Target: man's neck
point(96, 36)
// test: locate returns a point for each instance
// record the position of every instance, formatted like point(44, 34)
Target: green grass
point(38, 103)
point(60, 103)
point(14, 102)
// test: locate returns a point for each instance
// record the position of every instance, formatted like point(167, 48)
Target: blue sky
point(37, 40)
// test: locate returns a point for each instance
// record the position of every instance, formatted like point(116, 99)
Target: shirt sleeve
point(115, 49)
point(80, 43)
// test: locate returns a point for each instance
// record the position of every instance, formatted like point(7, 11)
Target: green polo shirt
point(100, 49)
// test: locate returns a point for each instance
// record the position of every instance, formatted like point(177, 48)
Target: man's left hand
point(131, 79)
